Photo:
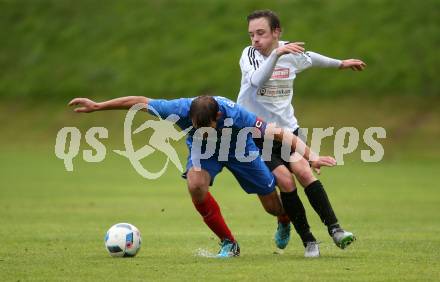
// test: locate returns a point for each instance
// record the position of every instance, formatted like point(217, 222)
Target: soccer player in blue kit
point(207, 114)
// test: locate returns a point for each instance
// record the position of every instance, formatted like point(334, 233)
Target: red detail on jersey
point(280, 73)
point(260, 124)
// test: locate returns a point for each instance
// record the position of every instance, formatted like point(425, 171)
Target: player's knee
point(285, 182)
point(304, 176)
point(197, 186)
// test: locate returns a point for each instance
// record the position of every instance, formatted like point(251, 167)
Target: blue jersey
point(235, 116)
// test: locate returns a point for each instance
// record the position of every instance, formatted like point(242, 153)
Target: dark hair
point(272, 18)
point(203, 111)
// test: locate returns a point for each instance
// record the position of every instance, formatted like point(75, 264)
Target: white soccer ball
point(123, 240)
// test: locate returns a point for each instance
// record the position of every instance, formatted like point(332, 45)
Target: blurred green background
point(55, 50)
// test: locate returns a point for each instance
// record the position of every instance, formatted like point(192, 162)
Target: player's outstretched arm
point(300, 147)
point(354, 64)
point(322, 61)
point(85, 105)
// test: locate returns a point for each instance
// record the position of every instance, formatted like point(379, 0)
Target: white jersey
point(272, 100)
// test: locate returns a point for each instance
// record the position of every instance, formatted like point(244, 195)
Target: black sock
point(321, 204)
point(295, 210)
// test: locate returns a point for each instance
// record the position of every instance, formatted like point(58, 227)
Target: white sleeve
point(257, 74)
point(300, 61)
point(319, 60)
point(264, 72)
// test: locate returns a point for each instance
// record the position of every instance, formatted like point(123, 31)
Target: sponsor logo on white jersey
point(280, 73)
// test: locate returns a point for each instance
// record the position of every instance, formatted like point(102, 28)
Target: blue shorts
point(254, 177)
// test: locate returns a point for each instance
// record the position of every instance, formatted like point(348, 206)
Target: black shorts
point(275, 158)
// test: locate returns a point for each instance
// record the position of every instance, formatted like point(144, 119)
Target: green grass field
point(55, 49)
point(53, 222)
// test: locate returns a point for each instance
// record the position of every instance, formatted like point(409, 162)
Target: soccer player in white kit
point(269, 68)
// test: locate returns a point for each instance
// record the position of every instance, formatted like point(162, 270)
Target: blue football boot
point(228, 249)
point(282, 235)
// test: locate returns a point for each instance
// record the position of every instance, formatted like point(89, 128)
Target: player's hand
point(322, 161)
point(354, 64)
point(85, 105)
point(294, 48)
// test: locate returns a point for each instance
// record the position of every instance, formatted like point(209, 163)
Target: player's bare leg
point(272, 204)
point(319, 200)
point(198, 186)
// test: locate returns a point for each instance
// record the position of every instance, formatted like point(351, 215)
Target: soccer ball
point(123, 240)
